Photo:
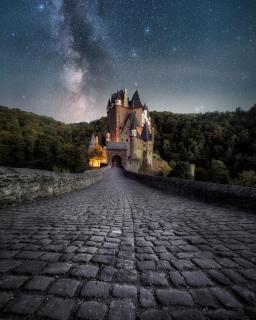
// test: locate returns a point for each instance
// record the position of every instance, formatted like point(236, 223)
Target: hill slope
point(221, 144)
point(29, 140)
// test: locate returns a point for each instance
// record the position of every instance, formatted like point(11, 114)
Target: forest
point(29, 140)
point(222, 145)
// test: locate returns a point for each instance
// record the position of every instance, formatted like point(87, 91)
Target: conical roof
point(136, 100)
point(134, 121)
point(145, 134)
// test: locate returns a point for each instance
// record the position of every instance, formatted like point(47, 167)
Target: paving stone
point(249, 273)
point(30, 255)
point(163, 266)
point(219, 277)
point(124, 291)
point(181, 264)
point(65, 287)
point(121, 311)
point(57, 268)
point(146, 265)
point(125, 264)
point(128, 276)
point(8, 254)
point(39, 283)
point(82, 257)
point(25, 304)
point(188, 315)
point(155, 315)
point(96, 289)
point(7, 265)
point(12, 282)
point(30, 267)
point(57, 308)
point(92, 310)
point(154, 278)
point(204, 298)
point(234, 276)
point(176, 279)
point(146, 298)
point(226, 315)
point(85, 271)
point(207, 263)
point(50, 256)
point(196, 278)
point(174, 297)
point(103, 259)
point(244, 293)
point(226, 298)
point(107, 274)
point(5, 297)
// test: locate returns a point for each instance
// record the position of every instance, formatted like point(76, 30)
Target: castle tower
point(133, 135)
point(147, 147)
point(126, 99)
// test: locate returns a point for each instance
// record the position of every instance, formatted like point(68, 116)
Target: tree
point(218, 172)
point(182, 170)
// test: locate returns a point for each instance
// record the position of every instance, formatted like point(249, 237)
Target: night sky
point(63, 58)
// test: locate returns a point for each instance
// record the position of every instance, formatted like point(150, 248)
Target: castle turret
point(133, 135)
point(126, 99)
point(118, 100)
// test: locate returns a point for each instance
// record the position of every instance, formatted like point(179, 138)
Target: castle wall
point(19, 184)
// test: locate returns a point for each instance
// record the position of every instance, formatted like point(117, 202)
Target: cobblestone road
point(120, 250)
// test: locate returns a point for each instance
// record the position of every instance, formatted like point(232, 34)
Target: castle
point(130, 136)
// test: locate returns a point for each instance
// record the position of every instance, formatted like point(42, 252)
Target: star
point(147, 30)
point(134, 54)
point(41, 7)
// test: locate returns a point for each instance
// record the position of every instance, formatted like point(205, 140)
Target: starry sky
point(63, 58)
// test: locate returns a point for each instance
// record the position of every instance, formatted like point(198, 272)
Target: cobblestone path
point(121, 250)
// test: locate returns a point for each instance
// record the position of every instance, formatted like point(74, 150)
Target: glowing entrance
point(116, 161)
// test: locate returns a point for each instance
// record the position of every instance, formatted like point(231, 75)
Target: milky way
point(63, 58)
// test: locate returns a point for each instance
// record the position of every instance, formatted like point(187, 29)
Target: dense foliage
point(29, 140)
point(222, 145)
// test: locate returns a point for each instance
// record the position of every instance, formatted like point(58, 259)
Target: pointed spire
point(145, 134)
point(134, 121)
point(136, 100)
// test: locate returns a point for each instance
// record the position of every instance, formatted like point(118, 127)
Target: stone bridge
point(121, 250)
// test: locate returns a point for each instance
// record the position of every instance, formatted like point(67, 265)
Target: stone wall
point(18, 185)
point(243, 197)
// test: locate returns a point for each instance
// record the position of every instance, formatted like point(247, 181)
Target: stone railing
point(243, 197)
point(18, 185)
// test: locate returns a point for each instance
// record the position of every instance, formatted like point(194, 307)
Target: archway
point(116, 161)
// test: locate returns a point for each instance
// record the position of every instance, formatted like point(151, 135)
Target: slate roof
point(135, 102)
point(134, 121)
point(145, 134)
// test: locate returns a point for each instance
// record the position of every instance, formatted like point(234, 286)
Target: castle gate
point(117, 154)
point(116, 161)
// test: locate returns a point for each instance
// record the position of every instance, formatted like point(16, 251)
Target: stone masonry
point(20, 184)
point(121, 250)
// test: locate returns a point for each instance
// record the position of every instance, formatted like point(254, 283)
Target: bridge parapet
point(221, 194)
point(19, 185)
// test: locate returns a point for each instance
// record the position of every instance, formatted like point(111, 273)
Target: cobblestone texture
point(121, 250)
